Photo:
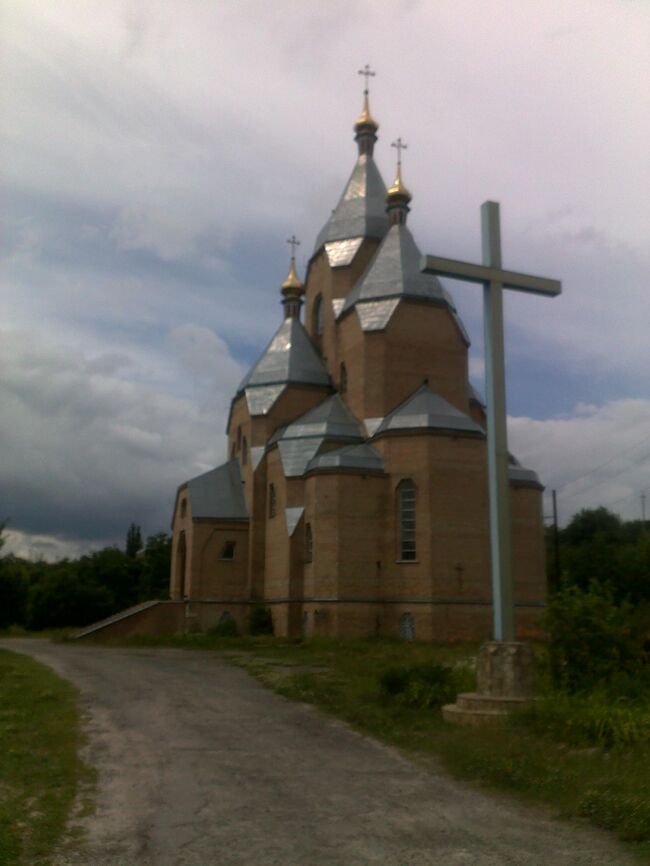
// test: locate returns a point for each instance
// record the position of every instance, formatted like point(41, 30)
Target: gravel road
point(199, 765)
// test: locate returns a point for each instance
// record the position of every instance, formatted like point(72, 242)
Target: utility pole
point(556, 543)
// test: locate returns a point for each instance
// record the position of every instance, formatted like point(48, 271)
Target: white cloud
point(600, 455)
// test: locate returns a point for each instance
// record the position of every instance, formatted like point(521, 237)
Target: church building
point(355, 498)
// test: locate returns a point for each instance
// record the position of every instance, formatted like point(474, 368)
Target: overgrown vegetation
point(42, 595)
point(40, 771)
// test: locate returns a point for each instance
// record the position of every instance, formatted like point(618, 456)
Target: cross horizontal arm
point(485, 274)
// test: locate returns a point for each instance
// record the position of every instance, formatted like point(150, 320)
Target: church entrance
point(181, 557)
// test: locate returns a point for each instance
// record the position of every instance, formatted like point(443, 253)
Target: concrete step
point(476, 701)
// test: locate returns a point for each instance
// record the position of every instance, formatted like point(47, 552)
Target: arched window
point(233, 451)
point(317, 316)
point(272, 500)
point(309, 543)
point(228, 550)
point(238, 438)
point(406, 519)
point(183, 506)
point(244, 451)
point(343, 379)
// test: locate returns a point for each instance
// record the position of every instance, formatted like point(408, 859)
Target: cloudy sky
point(156, 155)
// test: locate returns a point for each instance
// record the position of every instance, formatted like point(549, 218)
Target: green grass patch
point(40, 769)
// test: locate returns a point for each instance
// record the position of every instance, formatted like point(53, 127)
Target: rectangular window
point(406, 505)
point(228, 551)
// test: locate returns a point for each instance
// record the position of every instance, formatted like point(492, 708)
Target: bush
point(63, 599)
point(594, 641)
point(423, 685)
point(224, 628)
point(13, 593)
point(260, 621)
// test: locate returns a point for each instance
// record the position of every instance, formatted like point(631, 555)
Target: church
point(355, 498)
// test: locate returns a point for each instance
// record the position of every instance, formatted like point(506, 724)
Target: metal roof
point(295, 454)
point(292, 516)
point(394, 273)
point(219, 493)
point(290, 357)
point(521, 476)
point(475, 396)
point(425, 410)
point(363, 458)
point(361, 211)
point(331, 419)
point(261, 398)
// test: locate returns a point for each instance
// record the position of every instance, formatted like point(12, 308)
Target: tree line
point(76, 592)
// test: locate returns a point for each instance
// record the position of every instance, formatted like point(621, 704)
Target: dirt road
point(199, 765)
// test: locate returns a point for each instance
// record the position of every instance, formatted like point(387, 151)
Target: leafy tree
point(64, 598)
point(13, 592)
point(133, 541)
point(156, 565)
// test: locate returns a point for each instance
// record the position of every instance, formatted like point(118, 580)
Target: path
point(199, 765)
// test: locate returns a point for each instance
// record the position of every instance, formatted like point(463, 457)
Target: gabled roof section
point(361, 211)
point(331, 419)
point(393, 274)
point(359, 458)
point(425, 410)
point(219, 493)
point(290, 358)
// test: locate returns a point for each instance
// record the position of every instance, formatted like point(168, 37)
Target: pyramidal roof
point(219, 493)
point(425, 410)
point(290, 357)
point(361, 211)
point(361, 458)
point(330, 419)
point(395, 272)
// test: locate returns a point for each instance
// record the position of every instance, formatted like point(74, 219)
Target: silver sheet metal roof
point(290, 357)
point(362, 458)
point(292, 516)
point(394, 273)
point(261, 398)
point(428, 411)
point(295, 454)
point(518, 475)
point(476, 397)
point(219, 493)
point(341, 253)
point(361, 211)
point(331, 419)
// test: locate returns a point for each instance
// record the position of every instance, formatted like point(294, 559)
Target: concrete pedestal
point(505, 680)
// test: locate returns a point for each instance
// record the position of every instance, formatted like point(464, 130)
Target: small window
point(244, 451)
point(343, 379)
point(228, 550)
point(317, 316)
point(406, 517)
point(309, 543)
point(272, 500)
point(183, 507)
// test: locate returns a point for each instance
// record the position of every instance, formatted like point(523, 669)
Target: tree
point(156, 564)
point(133, 541)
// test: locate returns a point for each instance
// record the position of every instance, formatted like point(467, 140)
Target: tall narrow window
point(343, 379)
point(238, 438)
point(309, 543)
point(317, 316)
point(406, 517)
point(244, 451)
point(272, 500)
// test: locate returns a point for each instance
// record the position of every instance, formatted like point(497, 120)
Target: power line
point(604, 480)
point(603, 465)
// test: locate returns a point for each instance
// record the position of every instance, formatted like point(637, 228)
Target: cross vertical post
point(500, 524)
point(494, 279)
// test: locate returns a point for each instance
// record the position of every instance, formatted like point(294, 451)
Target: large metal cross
point(494, 279)
point(367, 73)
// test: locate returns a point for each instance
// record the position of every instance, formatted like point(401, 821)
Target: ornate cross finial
point(293, 243)
point(367, 73)
point(400, 146)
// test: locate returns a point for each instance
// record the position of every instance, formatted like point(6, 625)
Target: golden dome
point(292, 284)
point(365, 120)
point(398, 191)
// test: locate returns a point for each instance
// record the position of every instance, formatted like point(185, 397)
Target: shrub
point(260, 621)
point(592, 640)
point(423, 685)
point(224, 628)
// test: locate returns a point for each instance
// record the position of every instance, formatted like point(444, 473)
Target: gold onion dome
point(398, 193)
point(365, 121)
point(292, 285)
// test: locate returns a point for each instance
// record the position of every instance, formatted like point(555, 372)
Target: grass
point(40, 768)
point(587, 761)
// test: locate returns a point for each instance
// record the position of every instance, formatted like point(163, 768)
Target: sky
point(157, 155)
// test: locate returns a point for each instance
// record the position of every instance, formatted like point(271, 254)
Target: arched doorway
point(181, 558)
point(407, 626)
